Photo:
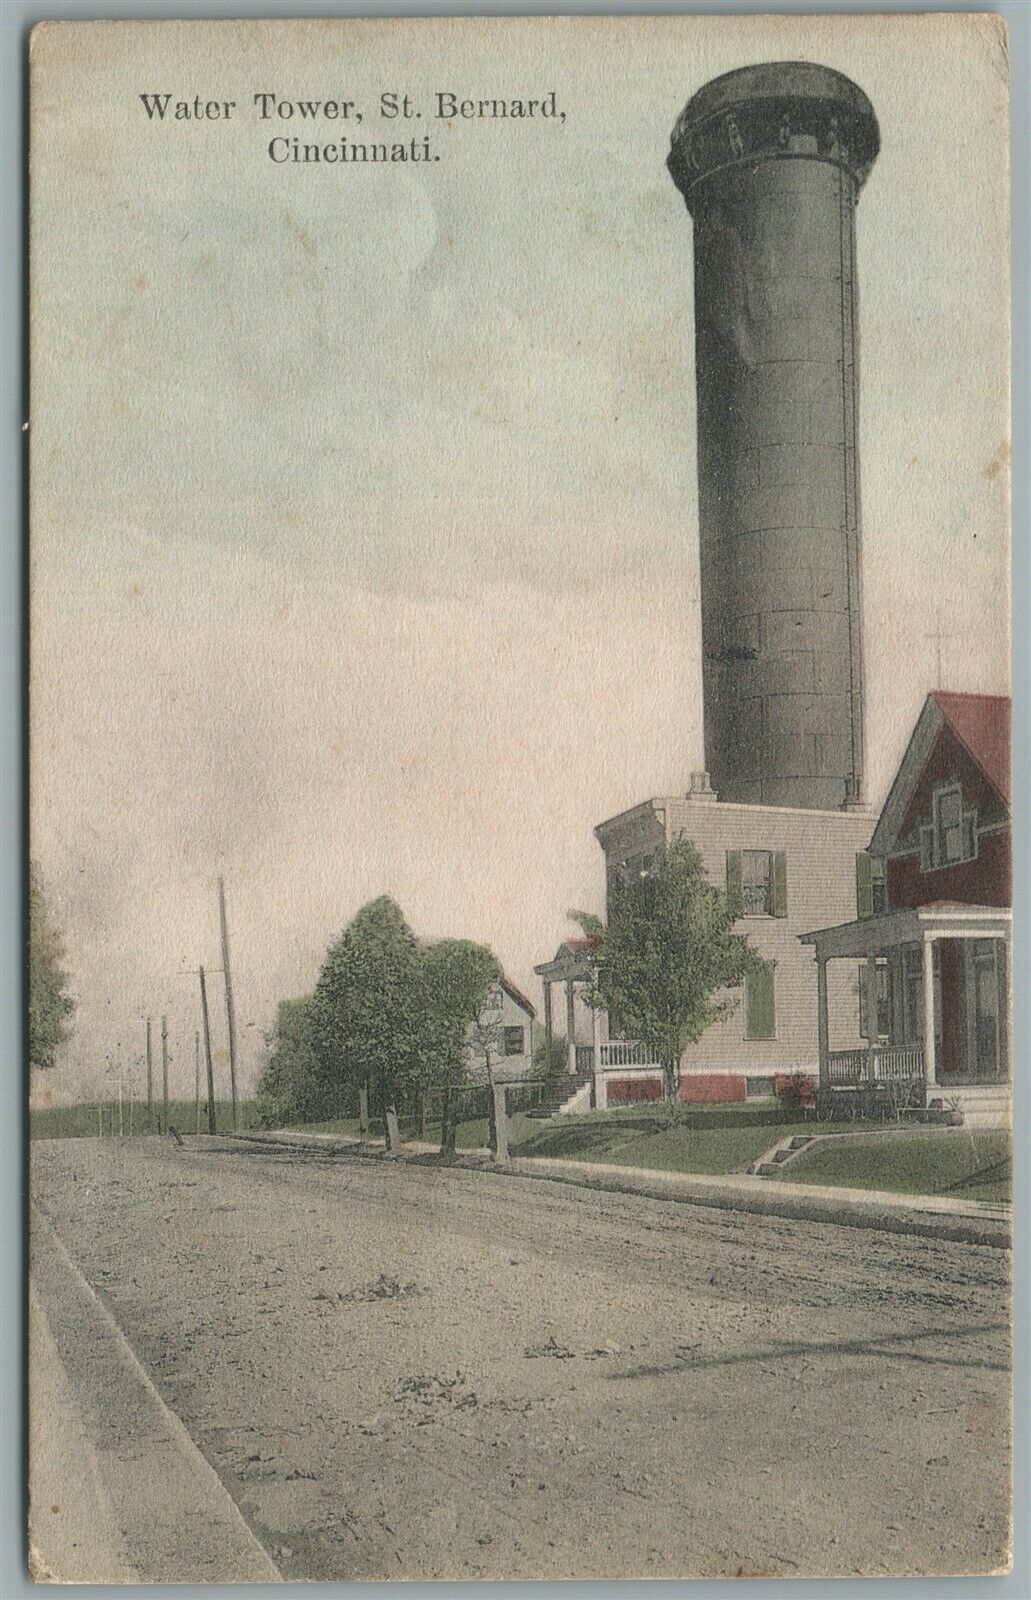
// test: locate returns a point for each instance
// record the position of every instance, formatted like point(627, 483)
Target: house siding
point(819, 851)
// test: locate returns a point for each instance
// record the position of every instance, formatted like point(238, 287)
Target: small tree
point(50, 1004)
point(668, 949)
point(483, 1044)
point(456, 976)
point(293, 1086)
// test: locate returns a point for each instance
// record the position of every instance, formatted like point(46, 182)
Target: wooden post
point(598, 1089)
point(230, 1009)
point(196, 1076)
point(150, 1081)
point(930, 1072)
point(422, 1114)
point(164, 1071)
point(393, 1130)
point(130, 1112)
point(121, 1119)
point(363, 1112)
point(100, 1123)
point(500, 1100)
point(822, 1022)
point(207, 1051)
point(448, 1130)
point(570, 1028)
point(872, 1033)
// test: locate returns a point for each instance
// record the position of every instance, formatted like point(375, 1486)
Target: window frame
point(510, 1028)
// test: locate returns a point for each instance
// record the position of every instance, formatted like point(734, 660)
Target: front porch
point(934, 1011)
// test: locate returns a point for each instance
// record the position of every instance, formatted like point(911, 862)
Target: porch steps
point(780, 1155)
point(982, 1105)
point(569, 1099)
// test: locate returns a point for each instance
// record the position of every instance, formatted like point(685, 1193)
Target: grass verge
point(960, 1164)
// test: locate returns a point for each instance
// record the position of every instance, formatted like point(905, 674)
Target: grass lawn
point(84, 1121)
point(974, 1164)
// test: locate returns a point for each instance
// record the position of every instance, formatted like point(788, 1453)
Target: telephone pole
point(207, 1052)
point(196, 1075)
point(150, 1082)
point(230, 1010)
point(164, 1069)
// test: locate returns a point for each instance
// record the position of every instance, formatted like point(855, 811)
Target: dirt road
point(402, 1371)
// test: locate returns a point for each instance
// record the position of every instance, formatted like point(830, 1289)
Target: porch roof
point(941, 919)
point(572, 960)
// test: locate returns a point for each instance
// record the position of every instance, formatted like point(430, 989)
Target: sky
point(363, 498)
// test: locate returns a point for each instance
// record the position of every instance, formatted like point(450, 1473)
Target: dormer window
point(951, 837)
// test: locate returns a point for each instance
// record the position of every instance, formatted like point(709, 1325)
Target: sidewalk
point(932, 1216)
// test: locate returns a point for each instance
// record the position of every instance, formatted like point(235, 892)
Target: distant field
point(87, 1121)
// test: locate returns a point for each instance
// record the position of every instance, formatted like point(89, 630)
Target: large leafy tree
point(667, 957)
point(50, 1004)
point(368, 1014)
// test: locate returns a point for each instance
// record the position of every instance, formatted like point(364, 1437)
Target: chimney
point(770, 161)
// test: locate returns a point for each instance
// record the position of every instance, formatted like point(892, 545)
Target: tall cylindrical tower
point(770, 160)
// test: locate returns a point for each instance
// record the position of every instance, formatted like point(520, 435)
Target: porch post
point(930, 1075)
point(547, 1011)
point(870, 980)
point(570, 1028)
point(599, 1093)
point(823, 1031)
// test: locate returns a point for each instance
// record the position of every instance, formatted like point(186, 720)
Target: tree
point(667, 951)
point(368, 1014)
point(50, 1004)
point(484, 1044)
point(456, 979)
point(293, 1087)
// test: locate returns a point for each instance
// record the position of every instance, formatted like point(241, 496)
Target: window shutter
point(760, 1014)
point(864, 885)
point(780, 883)
point(734, 883)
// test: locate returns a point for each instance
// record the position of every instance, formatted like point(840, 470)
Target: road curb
point(927, 1217)
point(178, 1517)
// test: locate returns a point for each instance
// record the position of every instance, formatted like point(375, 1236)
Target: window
point(757, 883)
point(871, 886)
point(515, 1041)
point(951, 836)
point(760, 1006)
point(760, 1088)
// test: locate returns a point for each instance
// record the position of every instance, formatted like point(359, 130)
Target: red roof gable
point(981, 722)
point(516, 994)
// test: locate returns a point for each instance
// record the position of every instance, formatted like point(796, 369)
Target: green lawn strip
point(961, 1164)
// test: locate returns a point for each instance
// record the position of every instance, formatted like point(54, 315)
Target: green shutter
point(780, 883)
point(760, 1011)
point(864, 885)
point(734, 883)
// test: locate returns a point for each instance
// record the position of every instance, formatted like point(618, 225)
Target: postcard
point(520, 974)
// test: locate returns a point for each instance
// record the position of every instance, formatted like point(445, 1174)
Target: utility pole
point(196, 1075)
point(150, 1082)
point(207, 1052)
point(164, 1070)
point(230, 1010)
point(121, 1114)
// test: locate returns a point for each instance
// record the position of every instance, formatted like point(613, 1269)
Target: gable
point(949, 762)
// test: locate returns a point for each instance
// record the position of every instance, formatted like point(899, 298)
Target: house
point(933, 928)
point(505, 1026)
point(784, 868)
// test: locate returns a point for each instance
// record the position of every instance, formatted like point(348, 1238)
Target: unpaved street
point(409, 1371)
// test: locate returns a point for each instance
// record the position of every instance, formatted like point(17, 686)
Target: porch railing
point(626, 1053)
point(891, 1064)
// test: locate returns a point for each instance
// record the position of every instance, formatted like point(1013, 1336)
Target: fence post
point(448, 1130)
point(499, 1096)
point(393, 1131)
point(363, 1112)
